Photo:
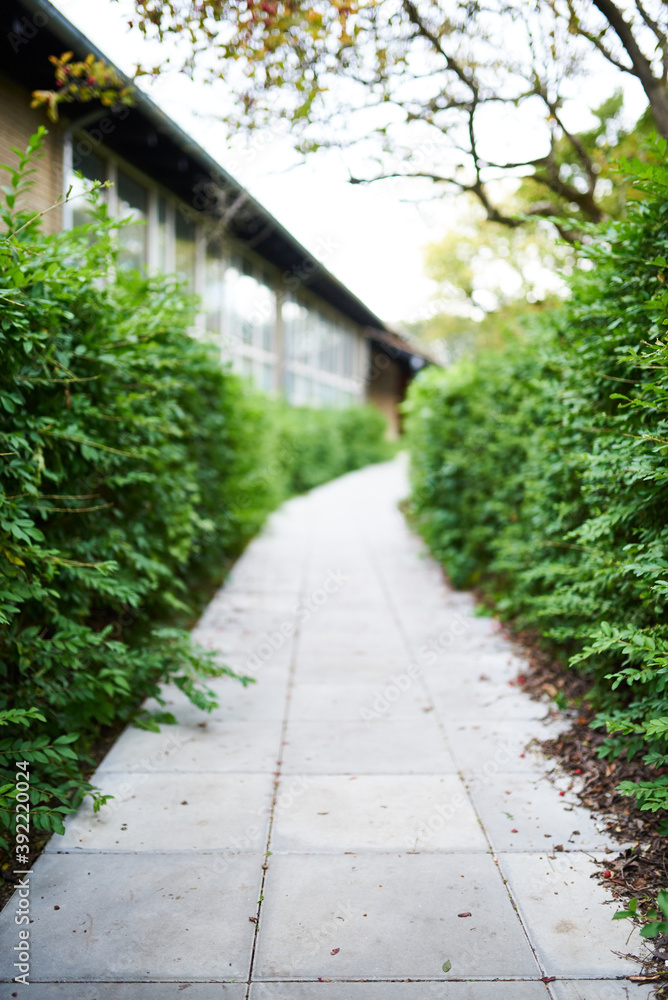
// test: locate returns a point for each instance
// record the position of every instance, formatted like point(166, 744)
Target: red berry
point(562, 793)
point(607, 873)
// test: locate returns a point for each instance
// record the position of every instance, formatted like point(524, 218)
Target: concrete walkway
point(363, 819)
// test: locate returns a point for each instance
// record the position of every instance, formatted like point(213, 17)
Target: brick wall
point(17, 123)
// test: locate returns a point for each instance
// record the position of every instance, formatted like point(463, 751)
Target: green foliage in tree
point(489, 277)
point(539, 473)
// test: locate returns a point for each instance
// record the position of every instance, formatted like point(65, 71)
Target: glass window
point(245, 298)
point(267, 307)
point(212, 299)
point(348, 354)
point(185, 250)
point(295, 319)
point(133, 239)
point(162, 235)
point(231, 317)
point(93, 168)
point(256, 306)
point(267, 377)
point(303, 391)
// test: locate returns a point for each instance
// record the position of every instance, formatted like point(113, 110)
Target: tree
point(418, 86)
point(490, 279)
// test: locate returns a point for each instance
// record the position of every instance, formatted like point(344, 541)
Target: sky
point(367, 235)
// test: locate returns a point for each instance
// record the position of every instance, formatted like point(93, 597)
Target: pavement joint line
point(268, 982)
point(279, 759)
point(367, 851)
point(389, 597)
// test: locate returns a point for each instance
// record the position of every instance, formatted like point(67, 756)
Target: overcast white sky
point(375, 241)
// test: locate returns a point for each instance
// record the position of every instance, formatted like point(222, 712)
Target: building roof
point(154, 143)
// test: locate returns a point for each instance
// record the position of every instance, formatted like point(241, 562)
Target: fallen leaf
point(447, 966)
point(335, 951)
point(464, 914)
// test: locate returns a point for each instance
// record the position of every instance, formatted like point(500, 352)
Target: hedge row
point(540, 474)
point(133, 470)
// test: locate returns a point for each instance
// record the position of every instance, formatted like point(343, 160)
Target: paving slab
point(378, 746)
point(346, 621)
point(259, 702)
point(349, 668)
point(207, 745)
point(400, 991)
point(563, 909)
point(388, 917)
point(378, 812)
point(507, 744)
point(600, 989)
point(134, 918)
point(263, 664)
point(128, 991)
point(173, 812)
point(358, 703)
point(383, 643)
point(457, 703)
point(524, 814)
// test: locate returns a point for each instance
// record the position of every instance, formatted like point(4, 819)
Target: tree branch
point(422, 29)
point(477, 189)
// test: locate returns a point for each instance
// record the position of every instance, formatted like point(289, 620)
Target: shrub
point(539, 472)
point(318, 445)
point(134, 470)
point(127, 453)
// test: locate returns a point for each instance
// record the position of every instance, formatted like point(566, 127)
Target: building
point(275, 311)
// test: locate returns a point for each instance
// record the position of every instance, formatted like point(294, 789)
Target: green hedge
point(539, 473)
point(319, 445)
point(133, 470)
